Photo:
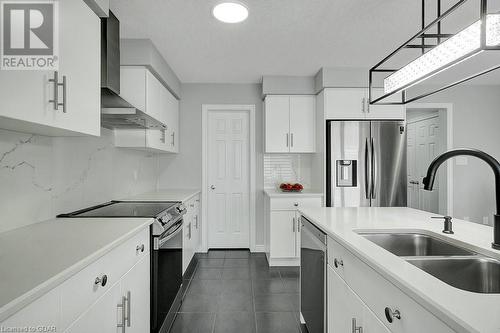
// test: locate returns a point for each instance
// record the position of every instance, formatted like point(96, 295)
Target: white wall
point(476, 120)
point(183, 170)
point(41, 177)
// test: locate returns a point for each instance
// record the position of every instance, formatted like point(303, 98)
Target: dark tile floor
point(236, 292)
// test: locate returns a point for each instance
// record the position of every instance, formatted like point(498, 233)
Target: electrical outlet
point(467, 218)
point(136, 174)
point(486, 220)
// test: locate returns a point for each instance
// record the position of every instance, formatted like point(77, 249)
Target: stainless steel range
point(166, 256)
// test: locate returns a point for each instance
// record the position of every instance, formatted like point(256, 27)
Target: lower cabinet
point(282, 221)
point(285, 234)
point(359, 297)
point(191, 231)
point(346, 311)
point(110, 295)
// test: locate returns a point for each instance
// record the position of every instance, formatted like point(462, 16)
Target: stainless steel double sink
point(455, 265)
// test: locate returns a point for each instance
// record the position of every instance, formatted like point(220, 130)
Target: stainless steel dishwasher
point(313, 277)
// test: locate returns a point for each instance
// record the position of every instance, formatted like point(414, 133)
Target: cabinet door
point(137, 283)
point(297, 234)
point(283, 235)
point(385, 111)
point(187, 243)
point(277, 124)
point(345, 103)
point(83, 86)
point(346, 311)
point(173, 125)
point(104, 315)
point(302, 124)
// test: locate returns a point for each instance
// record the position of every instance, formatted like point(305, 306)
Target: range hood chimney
point(116, 112)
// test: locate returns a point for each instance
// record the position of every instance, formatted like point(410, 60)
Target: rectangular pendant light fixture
point(453, 50)
point(460, 47)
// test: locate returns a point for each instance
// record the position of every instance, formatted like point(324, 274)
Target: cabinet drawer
point(80, 291)
point(294, 203)
point(43, 311)
point(380, 294)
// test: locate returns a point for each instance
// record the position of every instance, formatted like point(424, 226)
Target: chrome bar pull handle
point(367, 171)
point(291, 139)
point(55, 80)
point(121, 307)
point(293, 224)
point(374, 170)
point(127, 317)
point(64, 103)
point(355, 328)
point(287, 141)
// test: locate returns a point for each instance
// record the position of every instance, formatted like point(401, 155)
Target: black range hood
point(116, 112)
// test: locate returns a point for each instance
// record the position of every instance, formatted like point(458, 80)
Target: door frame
point(446, 110)
point(205, 109)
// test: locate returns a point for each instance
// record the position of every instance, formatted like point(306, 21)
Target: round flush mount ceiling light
point(230, 12)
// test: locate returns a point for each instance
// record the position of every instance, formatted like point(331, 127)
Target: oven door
point(166, 278)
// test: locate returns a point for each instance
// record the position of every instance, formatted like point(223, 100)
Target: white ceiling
point(280, 37)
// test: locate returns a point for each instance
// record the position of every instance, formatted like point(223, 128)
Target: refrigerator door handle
point(373, 169)
point(367, 171)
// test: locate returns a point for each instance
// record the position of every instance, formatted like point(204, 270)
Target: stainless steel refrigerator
point(366, 164)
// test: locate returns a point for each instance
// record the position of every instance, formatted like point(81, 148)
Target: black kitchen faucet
point(492, 162)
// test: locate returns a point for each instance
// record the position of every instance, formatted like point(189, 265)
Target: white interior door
point(413, 187)
point(423, 146)
point(228, 179)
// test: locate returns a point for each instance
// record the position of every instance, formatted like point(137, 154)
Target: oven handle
point(170, 234)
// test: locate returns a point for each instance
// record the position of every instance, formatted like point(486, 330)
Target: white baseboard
point(283, 261)
point(259, 248)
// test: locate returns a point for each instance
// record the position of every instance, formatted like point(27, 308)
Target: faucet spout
point(490, 160)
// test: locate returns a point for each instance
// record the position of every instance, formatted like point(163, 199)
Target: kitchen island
point(378, 276)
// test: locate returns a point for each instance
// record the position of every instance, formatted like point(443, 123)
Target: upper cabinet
point(26, 95)
point(290, 124)
point(144, 91)
point(353, 103)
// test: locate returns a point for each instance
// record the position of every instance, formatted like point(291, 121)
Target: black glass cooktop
point(123, 209)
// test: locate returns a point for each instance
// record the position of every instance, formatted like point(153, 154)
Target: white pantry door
point(228, 179)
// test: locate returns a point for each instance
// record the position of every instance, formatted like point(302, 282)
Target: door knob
point(212, 187)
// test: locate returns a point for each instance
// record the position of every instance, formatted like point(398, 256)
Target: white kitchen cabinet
point(25, 95)
point(136, 287)
point(191, 231)
point(125, 303)
point(83, 303)
point(302, 124)
point(277, 124)
point(385, 111)
point(103, 316)
point(145, 92)
point(376, 297)
point(346, 312)
point(284, 235)
point(282, 221)
point(290, 124)
point(353, 103)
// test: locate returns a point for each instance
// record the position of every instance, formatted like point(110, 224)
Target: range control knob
point(180, 208)
point(165, 218)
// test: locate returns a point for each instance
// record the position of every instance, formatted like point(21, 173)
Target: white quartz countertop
point(462, 310)
point(36, 258)
point(165, 195)
point(271, 192)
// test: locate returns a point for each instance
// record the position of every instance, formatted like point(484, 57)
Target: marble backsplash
point(41, 177)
